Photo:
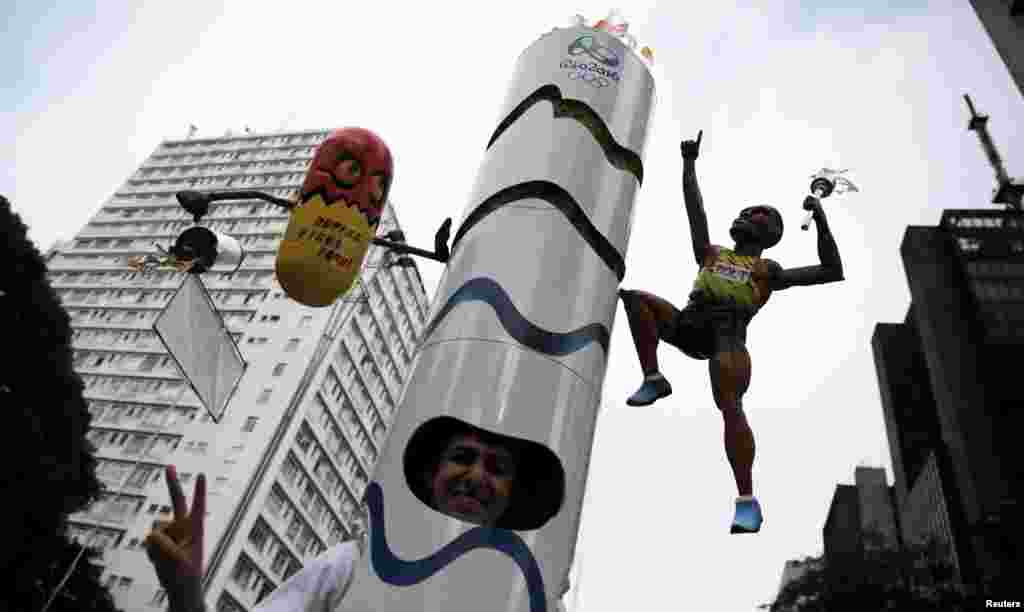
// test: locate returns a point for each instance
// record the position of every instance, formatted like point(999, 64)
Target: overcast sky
point(779, 88)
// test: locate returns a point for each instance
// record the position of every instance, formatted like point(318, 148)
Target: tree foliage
point(50, 467)
point(916, 578)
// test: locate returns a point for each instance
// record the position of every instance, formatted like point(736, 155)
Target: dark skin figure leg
point(730, 378)
point(646, 313)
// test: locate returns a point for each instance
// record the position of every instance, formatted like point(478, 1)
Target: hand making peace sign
point(176, 547)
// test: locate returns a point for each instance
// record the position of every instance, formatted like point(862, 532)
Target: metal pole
point(53, 595)
point(404, 248)
point(977, 124)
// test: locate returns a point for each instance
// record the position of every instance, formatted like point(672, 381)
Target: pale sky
point(779, 88)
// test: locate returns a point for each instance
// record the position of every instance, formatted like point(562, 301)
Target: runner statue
point(732, 285)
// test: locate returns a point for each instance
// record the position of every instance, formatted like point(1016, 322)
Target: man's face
point(473, 481)
point(754, 224)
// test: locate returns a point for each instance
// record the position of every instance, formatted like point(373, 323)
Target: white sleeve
point(318, 586)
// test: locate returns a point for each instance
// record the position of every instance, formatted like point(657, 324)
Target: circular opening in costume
point(524, 487)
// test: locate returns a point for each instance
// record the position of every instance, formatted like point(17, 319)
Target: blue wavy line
point(517, 326)
point(399, 572)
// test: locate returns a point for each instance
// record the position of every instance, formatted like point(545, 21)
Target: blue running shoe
point(748, 517)
point(651, 391)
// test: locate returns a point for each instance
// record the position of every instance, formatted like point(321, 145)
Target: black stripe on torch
point(617, 155)
point(560, 199)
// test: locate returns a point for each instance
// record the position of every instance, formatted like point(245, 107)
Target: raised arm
point(829, 270)
point(690, 149)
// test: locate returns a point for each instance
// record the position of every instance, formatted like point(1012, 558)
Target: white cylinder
point(230, 253)
point(518, 337)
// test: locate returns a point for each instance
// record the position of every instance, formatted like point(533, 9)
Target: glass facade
point(991, 248)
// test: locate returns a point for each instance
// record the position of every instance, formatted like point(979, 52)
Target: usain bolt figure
point(732, 285)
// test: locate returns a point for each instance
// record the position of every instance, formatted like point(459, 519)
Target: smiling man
point(473, 480)
point(462, 471)
point(482, 477)
point(731, 287)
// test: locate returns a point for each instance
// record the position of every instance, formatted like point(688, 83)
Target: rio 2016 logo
point(600, 71)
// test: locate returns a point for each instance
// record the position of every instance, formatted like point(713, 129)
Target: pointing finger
point(177, 495)
point(198, 517)
point(699, 135)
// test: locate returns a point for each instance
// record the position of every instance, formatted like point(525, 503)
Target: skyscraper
point(861, 516)
point(287, 465)
point(860, 519)
point(1003, 20)
point(920, 461)
point(954, 444)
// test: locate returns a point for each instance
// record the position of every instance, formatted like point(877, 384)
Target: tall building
point(1003, 20)
point(861, 515)
point(290, 459)
point(966, 327)
point(861, 518)
point(922, 480)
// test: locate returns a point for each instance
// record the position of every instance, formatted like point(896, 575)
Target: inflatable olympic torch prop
point(332, 222)
point(516, 346)
point(824, 183)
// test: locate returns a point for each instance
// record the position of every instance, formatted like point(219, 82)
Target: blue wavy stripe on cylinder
point(561, 200)
point(399, 572)
point(522, 330)
point(616, 154)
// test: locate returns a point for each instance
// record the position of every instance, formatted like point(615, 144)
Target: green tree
point(50, 471)
point(917, 578)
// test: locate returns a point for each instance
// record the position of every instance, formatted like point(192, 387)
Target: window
point(275, 502)
point(280, 562)
point(265, 590)
point(292, 345)
point(304, 439)
point(290, 470)
point(275, 318)
point(264, 396)
point(259, 535)
point(294, 528)
point(250, 423)
point(306, 321)
point(279, 369)
point(243, 572)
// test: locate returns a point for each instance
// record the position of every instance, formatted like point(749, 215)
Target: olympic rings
point(591, 78)
point(595, 50)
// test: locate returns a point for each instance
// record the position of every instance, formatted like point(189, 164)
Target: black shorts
point(703, 328)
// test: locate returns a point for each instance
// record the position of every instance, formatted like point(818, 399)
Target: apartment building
point(288, 462)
